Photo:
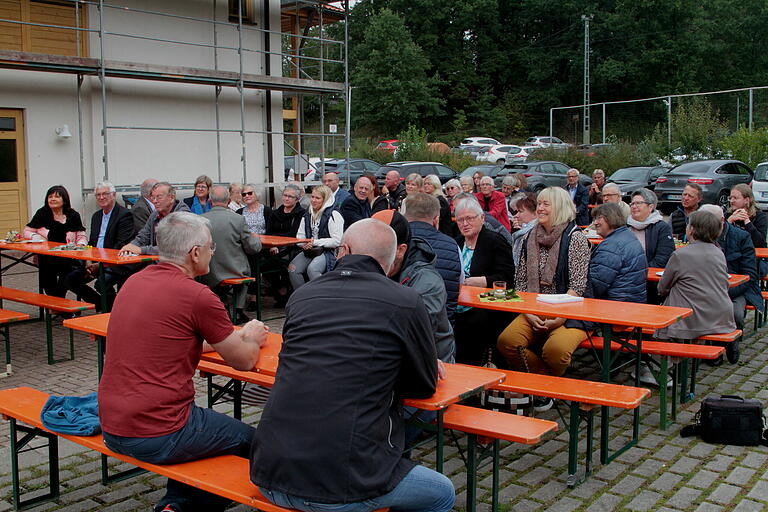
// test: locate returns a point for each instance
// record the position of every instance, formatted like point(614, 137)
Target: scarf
point(653, 218)
point(537, 240)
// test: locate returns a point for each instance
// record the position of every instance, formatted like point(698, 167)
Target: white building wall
point(50, 100)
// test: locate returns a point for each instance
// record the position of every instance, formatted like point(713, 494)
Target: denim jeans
point(206, 433)
point(422, 490)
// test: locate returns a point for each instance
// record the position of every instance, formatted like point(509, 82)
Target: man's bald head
point(392, 180)
point(372, 238)
point(219, 195)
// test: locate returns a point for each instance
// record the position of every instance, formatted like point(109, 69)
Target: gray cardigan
point(696, 277)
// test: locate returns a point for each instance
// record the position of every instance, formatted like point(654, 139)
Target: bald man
point(331, 180)
point(324, 359)
point(395, 189)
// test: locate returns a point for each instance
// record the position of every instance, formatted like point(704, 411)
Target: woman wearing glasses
point(485, 257)
point(646, 223)
point(256, 214)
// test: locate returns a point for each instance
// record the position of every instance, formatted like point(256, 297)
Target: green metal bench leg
point(573, 445)
point(471, 472)
point(440, 441)
point(675, 375)
point(107, 479)
point(7, 338)
point(17, 447)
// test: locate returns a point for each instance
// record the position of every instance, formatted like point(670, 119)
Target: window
point(444, 171)
point(249, 11)
point(371, 166)
point(37, 39)
point(560, 168)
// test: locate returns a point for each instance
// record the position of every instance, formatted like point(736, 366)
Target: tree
point(389, 77)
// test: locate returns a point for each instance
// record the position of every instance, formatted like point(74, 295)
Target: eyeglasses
point(104, 194)
point(467, 219)
point(245, 194)
point(212, 247)
point(289, 196)
point(514, 212)
point(638, 204)
point(158, 197)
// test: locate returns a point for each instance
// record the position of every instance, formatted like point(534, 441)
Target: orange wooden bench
point(48, 303)
point(583, 396)
point(498, 426)
point(7, 317)
point(224, 475)
point(670, 354)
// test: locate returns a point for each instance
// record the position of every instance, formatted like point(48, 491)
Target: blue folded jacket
point(74, 415)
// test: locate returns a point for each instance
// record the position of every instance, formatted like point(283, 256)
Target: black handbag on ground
point(729, 419)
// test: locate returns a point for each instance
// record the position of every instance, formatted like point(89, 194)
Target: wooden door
point(13, 172)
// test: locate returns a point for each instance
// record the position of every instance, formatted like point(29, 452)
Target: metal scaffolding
point(298, 18)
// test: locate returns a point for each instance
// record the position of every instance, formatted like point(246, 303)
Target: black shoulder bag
point(729, 419)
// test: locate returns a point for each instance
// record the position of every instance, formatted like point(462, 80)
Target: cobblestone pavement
point(664, 472)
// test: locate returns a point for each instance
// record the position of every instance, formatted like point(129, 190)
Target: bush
point(749, 147)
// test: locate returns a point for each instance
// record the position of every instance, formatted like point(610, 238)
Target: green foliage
point(749, 147)
point(412, 141)
point(697, 131)
point(389, 73)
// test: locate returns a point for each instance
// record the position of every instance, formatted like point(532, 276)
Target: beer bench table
point(606, 313)
point(104, 257)
point(224, 475)
point(268, 242)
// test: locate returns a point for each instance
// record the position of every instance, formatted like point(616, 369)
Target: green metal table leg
point(675, 375)
point(7, 340)
point(573, 445)
point(683, 368)
point(495, 488)
point(440, 441)
point(101, 348)
point(102, 279)
point(471, 473)
point(49, 336)
point(661, 379)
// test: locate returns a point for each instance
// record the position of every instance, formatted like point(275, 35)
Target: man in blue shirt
point(111, 228)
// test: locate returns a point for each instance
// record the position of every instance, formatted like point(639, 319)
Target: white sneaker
point(646, 377)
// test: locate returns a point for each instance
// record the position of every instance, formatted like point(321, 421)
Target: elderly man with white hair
point(323, 360)
point(162, 320)
point(611, 193)
point(111, 228)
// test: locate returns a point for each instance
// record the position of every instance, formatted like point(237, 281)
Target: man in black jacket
point(580, 196)
point(111, 228)
point(332, 433)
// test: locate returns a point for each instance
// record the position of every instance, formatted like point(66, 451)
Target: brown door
point(13, 172)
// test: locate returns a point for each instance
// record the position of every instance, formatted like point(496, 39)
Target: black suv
point(421, 168)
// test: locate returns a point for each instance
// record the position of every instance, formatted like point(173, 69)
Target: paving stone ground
point(664, 472)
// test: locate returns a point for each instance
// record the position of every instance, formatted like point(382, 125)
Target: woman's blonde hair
point(746, 191)
point(563, 209)
point(415, 177)
point(435, 182)
point(326, 193)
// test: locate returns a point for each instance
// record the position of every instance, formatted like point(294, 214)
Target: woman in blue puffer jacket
point(618, 269)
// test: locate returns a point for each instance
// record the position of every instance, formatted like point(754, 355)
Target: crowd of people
point(394, 254)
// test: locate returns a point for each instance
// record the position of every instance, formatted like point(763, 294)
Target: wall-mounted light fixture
point(63, 132)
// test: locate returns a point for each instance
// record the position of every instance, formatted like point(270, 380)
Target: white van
point(760, 185)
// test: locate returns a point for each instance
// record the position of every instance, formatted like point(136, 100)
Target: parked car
point(470, 149)
point(422, 168)
point(630, 179)
point(715, 177)
point(501, 153)
point(593, 149)
point(356, 167)
point(480, 141)
point(543, 174)
point(388, 145)
point(760, 185)
point(541, 141)
point(301, 162)
point(487, 170)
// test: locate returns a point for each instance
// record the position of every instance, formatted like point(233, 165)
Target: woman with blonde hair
point(554, 259)
point(745, 215)
point(413, 183)
point(324, 226)
point(433, 187)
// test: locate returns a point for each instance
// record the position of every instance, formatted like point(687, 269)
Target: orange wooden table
point(104, 257)
point(268, 242)
point(761, 252)
point(733, 279)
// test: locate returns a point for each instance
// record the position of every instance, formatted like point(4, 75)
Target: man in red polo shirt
point(160, 322)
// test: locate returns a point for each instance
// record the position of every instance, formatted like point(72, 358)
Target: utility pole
point(586, 19)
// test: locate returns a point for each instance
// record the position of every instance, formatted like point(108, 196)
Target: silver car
point(715, 177)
